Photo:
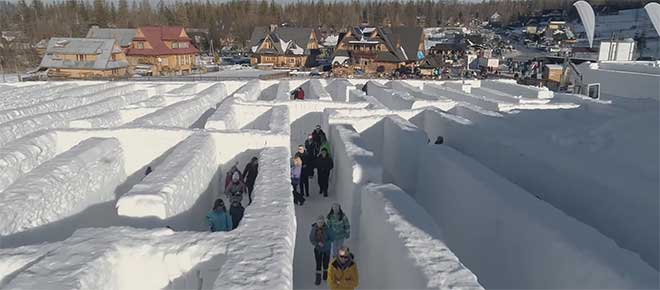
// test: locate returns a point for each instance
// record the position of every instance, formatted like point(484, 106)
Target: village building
point(379, 50)
point(84, 58)
point(164, 50)
point(289, 47)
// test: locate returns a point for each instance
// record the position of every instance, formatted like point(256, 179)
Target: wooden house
point(167, 50)
point(124, 36)
point(376, 49)
point(289, 47)
point(84, 58)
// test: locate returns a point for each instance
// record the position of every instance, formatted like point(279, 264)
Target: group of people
point(314, 154)
point(334, 261)
point(237, 185)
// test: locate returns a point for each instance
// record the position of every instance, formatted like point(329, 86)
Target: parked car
point(143, 70)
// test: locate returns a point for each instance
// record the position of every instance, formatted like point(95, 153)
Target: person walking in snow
point(296, 176)
point(236, 188)
point(307, 169)
point(323, 166)
point(319, 137)
point(230, 172)
point(218, 218)
point(250, 176)
point(338, 223)
point(343, 273)
point(321, 238)
point(236, 210)
point(310, 147)
point(301, 94)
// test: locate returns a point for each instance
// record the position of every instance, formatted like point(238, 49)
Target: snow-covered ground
point(530, 189)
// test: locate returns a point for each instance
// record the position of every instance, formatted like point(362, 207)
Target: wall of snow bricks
point(512, 240)
point(232, 115)
point(402, 240)
point(355, 166)
point(394, 100)
point(175, 184)
point(270, 218)
point(510, 87)
point(20, 127)
point(46, 93)
point(185, 113)
point(314, 90)
point(250, 91)
point(121, 258)
point(461, 97)
point(63, 186)
point(67, 102)
point(623, 204)
point(22, 155)
point(394, 142)
point(112, 119)
point(339, 90)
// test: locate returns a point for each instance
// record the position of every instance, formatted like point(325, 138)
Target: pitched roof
point(123, 35)
point(286, 40)
point(409, 39)
point(156, 37)
point(102, 48)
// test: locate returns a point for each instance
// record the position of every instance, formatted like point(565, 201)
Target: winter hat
point(218, 203)
point(235, 176)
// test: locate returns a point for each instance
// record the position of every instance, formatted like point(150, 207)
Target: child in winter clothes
point(338, 222)
point(219, 220)
point(321, 238)
point(236, 211)
point(296, 176)
point(343, 273)
point(236, 188)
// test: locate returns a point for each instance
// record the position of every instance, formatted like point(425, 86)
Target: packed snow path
point(529, 191)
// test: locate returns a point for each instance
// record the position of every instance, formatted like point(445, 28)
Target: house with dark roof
point(166, 50)
point(84, 58)
point(377, 49)
point(291, 47)
point(124, 36)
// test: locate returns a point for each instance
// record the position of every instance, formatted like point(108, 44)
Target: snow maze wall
point(531, 189)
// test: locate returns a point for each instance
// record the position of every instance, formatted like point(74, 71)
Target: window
point(139, 45)
point(80, 57)
point(175, 44)
point(183, 45)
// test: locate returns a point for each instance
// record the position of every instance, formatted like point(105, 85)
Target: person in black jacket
point(250, 176)
point(307, 169)
point(323, 166)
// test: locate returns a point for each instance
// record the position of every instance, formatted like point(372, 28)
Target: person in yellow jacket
point(343, 272)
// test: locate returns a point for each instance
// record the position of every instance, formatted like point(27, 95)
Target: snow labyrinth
point(530, 190)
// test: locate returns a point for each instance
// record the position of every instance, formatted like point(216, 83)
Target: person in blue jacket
point(321, 238)
point(219, 219)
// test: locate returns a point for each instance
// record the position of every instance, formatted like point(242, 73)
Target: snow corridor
point(526, 191)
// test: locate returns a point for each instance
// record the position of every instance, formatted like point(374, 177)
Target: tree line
point(232, 22)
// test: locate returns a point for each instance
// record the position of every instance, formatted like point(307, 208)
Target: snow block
point(461, 97)
point(249, 92)
point(394, 142)
point(20, 127)
point(46, 93)
point(392, 99)
point(398, 234)
point(516, 90)
point(512, 240)
point(338, 90)
point(22, 155)
point(232, 115)
point(355, 166)
point(66, 103)
point(314, 90)
point(176, 184)
point(283, 92)
point(124, 258)
point(63, 186)
point(185, 113)
point(271, 219)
